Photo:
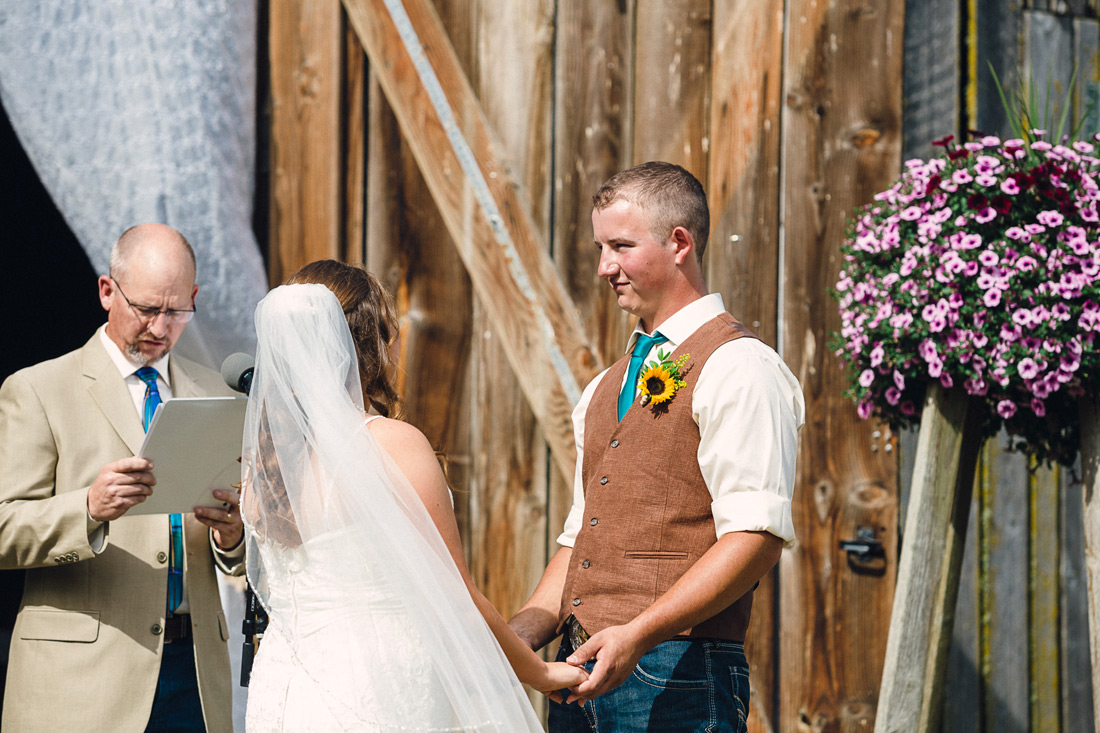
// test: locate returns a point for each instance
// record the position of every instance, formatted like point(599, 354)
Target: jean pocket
point(673, 665)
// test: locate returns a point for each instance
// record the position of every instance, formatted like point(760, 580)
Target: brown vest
point(647, 510)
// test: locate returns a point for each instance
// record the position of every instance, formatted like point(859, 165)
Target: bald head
point(152, 272)
point(158, 246)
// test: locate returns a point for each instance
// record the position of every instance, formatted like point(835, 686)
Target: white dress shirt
point(749, 408)
point(137, 387)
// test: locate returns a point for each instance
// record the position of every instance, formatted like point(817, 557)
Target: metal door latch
point(864, 548)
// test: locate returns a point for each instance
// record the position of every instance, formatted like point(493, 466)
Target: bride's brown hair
point(372, 318)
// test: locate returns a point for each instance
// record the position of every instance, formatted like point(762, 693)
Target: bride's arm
point(412, 453)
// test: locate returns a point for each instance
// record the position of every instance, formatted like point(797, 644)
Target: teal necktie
point(641, 348)
point(148, 375)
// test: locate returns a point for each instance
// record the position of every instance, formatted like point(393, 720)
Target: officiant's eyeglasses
point(149, 313)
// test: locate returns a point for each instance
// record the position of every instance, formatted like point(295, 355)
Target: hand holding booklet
point(195, 446)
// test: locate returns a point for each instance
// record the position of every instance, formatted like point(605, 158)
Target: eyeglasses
point(149, 313)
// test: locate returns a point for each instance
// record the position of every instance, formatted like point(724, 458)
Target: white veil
point(322, 500)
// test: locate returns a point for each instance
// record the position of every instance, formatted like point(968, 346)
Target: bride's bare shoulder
point(408, 447)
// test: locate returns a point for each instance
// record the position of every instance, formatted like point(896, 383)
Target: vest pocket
point(41, 624)
point(654, 555)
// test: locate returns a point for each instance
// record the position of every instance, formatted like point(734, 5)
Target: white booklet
point(195, 446)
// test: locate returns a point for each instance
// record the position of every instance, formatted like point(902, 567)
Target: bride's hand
point(560, 676)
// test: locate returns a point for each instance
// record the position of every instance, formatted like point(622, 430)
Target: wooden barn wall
point(791, 112)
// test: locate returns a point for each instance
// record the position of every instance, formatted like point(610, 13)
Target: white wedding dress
point(371, 627)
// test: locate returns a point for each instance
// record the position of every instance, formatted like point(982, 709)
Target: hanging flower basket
point(979, 270)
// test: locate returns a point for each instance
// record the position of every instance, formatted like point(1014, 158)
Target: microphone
point(237, 370)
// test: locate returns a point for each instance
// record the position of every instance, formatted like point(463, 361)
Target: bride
point(353, 548)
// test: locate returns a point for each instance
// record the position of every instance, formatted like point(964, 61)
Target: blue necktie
point(641, 348)
point(148, 375)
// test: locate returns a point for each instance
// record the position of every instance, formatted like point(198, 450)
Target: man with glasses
point(120, 626)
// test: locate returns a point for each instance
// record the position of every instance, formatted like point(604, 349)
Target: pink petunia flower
point(1006, 408)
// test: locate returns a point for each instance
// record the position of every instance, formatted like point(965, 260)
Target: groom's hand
point(616, 651)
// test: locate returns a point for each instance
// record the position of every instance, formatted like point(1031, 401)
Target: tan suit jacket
point(85, 652)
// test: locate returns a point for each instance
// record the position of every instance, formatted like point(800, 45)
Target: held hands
point(119, 486)
point(560, 676)
point(226, 523)
point(616, 651)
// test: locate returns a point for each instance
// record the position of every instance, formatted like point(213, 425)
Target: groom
point(682, 499)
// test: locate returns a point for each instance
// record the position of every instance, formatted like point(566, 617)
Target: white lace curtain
point(144, 110)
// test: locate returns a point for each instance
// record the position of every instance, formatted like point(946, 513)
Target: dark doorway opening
point(49, 300)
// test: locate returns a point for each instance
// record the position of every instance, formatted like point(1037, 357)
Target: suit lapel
point(107, 388)
point(182, 384)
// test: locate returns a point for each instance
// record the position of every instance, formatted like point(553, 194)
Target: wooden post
point(1090, 463)
point(911, 695)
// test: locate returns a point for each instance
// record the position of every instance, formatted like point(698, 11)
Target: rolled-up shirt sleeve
point(749, 409)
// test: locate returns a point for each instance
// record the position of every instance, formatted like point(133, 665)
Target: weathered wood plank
point(994, 33)
point(1048, 66)
point(591, 129)
point(511, 66)
point(1044, 605)
point(1077, 710)
point(933, 58)
point(453, 145)
point(671, 82)
point(1090, 466)
point(911, 696)
point(306, 66)
point(353, 133)
point(742, 258)
point(1005, 522)
point(963, 682)
point(841, 144)
point(1086, 53)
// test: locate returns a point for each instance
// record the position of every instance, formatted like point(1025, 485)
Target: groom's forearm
point(537, 622)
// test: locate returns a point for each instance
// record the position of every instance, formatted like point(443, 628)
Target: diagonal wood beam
point(441, 119)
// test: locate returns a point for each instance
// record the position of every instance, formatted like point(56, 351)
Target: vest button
point(156, 629)
point(603, 480)
point(614, 444)
point(585, 564)
point(593, 521)
point(576, 601)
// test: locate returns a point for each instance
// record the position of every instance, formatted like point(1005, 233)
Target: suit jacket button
point(576, 601)
point(614, 444)
point(157, 629)
point(593, 521)
point(585, 564)
point(162, 557)
point(603, 480)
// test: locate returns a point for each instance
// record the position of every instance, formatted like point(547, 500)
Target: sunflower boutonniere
point(660, 379)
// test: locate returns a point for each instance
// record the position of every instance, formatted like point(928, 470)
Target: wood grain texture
point(1077, 691)
point(671, 82)
point(1044, 599)
point(932, 82)
point(353, 132)
point(592, 102)
point(511, 66)
point(510, 270)
point(963, 682)
point(1090, 466)
point(306, 72)
point(742, 258)
point(1005, 632)
point(842, 141)
point(928, 570)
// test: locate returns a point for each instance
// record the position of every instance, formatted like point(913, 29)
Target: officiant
point(121, 626)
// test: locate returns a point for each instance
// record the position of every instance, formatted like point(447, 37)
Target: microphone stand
point(253, 627)
point(237, 370)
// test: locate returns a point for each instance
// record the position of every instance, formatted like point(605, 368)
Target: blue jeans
point(679, 686)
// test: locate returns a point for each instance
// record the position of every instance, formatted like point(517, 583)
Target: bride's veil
point(325, 507)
